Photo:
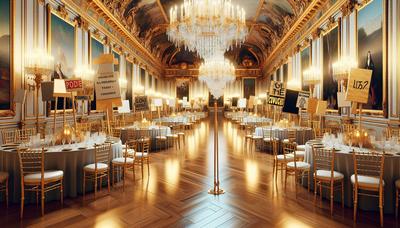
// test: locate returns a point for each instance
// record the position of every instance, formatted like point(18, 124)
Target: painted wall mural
point(370, 41)
point(97, 48)
point(6, 72)
point(305, 64)
point(182, 89)
point(62, 46)
point(330, 55)
point(249, 87)
point(129, 76)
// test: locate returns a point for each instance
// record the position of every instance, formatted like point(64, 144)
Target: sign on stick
point(358, 85)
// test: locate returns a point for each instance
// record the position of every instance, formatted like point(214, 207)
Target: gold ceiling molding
point(194, 73)
point(162, 11)
point(138, 50)
point(290, 41)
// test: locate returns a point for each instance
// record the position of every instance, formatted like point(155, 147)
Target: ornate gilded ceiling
point(268, 21)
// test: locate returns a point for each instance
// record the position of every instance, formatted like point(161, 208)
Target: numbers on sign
point(360, 84)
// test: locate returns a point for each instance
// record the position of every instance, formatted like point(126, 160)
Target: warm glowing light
point(312, 76)
point(207, 26)
point(342, 67)
point(84, 72)
point(171, 171)
point(252, 174)
point(293, 84)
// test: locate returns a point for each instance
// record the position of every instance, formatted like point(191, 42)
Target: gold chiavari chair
point(124, 163)
point(392, 132)
point(34, 178)
point(116, 132)
point(84, 127)
point(349, 128)
point(298, 169)
point(142, 155)
point(4, 185)
point(99, 169)
point(291, 136)
point(397, 184)
point(280, 160)
point(23, 135)
point(173, 138)
point(8, 136)
point(367, 179)
point(267, 137)
point(161, 137)
point(325, 175)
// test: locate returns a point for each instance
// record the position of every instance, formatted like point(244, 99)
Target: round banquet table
point(303, 134)
point(255, 120)
point(173, 119)
point(70, 162)
point(344, 164)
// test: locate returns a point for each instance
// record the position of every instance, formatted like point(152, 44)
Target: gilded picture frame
point(62, 19)
point(368, 10)
point(7, 105)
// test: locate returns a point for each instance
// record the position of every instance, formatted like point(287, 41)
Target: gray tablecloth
point(71, 162)
point(344, 164)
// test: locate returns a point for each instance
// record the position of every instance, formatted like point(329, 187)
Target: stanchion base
point(213, 192)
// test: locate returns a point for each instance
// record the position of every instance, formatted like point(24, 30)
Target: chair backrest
point(31, 161)
point(8, 136)
point(349, 127)
point(143, 145)
point(84, 127)
point(292, 135)
point(289, 148)
point(275, 147)
point(102, 154)
point(116, 132)
point(23, 135)
point(131, 144)
point(267, 132)
point(324, 159)
point(368, 164)
point(392, 132)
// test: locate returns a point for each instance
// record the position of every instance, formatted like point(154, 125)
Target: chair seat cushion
point(257, 137)
point(267, 139)
point(130, 152)
point(285, 140)
point(100, 167)
point(161, 137)
point(301, 147)
point(3, 176)
point(172, 136)
point(48, 176)
point(366, 181)
point(121, 161)
point(141, 154)
point(299, 165)
point(181, 133)
point(281, 157)
point(326, 175)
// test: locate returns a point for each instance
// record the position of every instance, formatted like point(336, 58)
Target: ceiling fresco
point(268, 21)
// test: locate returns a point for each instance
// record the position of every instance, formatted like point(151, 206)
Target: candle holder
point(38, 66)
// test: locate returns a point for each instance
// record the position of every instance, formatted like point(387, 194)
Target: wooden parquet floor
point(175, 194)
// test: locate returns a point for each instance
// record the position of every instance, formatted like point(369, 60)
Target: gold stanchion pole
point(216, 190)
point(360, 113)
point(55, 115)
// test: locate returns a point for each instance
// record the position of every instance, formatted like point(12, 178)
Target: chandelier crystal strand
point(207, 26)
point(217, 73)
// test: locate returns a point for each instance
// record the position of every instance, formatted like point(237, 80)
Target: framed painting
point(6, 58)
point(371, 51)
point(305, 57)
point(182, 89)
point(96, 49)
point(129, 77)
point(61, 44)
point(118, 57)
point(142, 77)
point(285, 72)
point(249, 87)
point(330, 53)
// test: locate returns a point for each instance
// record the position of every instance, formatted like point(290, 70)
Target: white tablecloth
point(302, 134)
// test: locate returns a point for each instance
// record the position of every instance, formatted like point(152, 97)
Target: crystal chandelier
point(207, 26)
point(216, 73)
point(311, 76)
point(342, 68)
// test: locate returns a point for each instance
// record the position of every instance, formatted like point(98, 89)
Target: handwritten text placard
point(358, 85)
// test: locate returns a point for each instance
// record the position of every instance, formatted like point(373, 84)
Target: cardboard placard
point(125, 108)
point(158, 102)
point(290, 102)
point(20, 96)
point(172, 103)
point(302, 99)
point(106, 81)
point(312, 105)
point(47, 91)
point(73, 85)
point(242, 103)
point(277, 88)
point(342, 103)
point(59, 89)
point(141, 103)
point(276, 100)
point(358, 85)
point(321, 107)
